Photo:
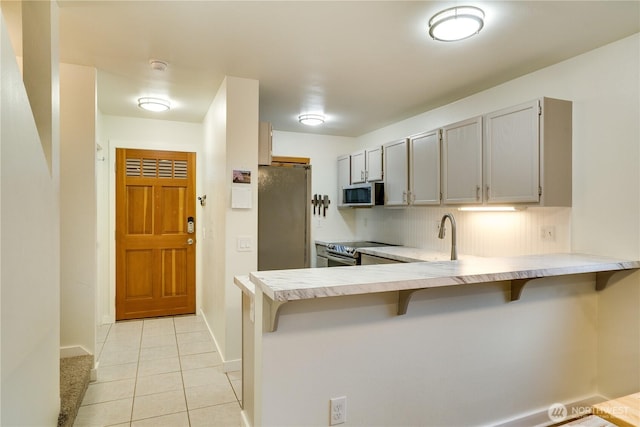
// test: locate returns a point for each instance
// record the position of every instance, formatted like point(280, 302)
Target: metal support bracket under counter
point(269, 307)
point(516, 285)
point(602, 280)
point(281, 286)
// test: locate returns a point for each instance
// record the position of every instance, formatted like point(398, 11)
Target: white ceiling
point(365, 64)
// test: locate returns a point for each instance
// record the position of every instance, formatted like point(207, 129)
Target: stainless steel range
point(341, 253)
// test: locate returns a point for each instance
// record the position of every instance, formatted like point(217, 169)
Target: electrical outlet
point(338, 410)
point(548, 233)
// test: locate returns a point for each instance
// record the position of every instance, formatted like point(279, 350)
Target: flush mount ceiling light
point(154, 104)
point(456, 23)
point(311, 119)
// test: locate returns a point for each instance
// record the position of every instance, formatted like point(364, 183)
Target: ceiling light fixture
point(456, 23)
point(154, 104)
point(311, 119)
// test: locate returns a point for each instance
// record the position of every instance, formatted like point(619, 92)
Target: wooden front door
point(155, 243)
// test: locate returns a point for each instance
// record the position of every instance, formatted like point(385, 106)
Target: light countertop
point(290, 285)
point(407, 254)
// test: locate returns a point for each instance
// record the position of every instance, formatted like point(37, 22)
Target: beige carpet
point(75, 373)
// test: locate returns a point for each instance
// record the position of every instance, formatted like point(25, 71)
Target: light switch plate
point(243, 244)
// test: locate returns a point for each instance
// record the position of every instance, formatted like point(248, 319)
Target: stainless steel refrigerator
point(284, 200)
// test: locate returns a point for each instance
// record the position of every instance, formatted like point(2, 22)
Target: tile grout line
point(135, 382)
point(184, 389)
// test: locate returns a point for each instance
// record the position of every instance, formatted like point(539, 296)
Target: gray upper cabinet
point(527, 151)
point(512, 155)
point(396, 173)
point(374, 164)
point(358, 167)
point(462, 162)
point(344, 177)
point(519, 155)
point(424, 169)
point(366, 165)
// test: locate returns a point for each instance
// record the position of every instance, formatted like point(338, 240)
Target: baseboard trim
point(93, 374)
point(73, 351)
point(227, 365)
point(540, 418)
point(244, 419)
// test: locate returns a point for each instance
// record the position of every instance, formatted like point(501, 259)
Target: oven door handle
point(347, 261)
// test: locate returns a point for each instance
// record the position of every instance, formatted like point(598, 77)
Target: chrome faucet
point(454, 251)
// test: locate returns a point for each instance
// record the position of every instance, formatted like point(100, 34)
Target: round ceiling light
point(456, 23)
point(154, 104)
point(311, 119)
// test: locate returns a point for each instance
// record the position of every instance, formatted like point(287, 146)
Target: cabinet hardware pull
point(477, 192)
point(488, 194)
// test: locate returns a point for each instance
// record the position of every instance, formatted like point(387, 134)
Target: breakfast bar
point(290, 285)
point(399, 335)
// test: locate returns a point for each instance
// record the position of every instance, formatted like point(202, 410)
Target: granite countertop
point(290, 285)
point(408, 254)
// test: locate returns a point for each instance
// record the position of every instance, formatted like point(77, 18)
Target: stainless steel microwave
point(363, 195)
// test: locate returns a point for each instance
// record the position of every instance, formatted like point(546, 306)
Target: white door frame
point(110, 219)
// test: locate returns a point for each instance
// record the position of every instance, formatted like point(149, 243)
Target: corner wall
point(231, 143)
point(78, 214)
point(29, 248)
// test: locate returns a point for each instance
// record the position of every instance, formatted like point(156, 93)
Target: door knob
point(189, 241)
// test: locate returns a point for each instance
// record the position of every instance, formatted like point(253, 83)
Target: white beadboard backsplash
point(478, 233)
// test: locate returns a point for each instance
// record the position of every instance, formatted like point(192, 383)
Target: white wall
point(322, 150)
point(78, 215)
point(465, 357)
point(459, 357)
point(29, 248)
point(127, 132)
point(231, 143)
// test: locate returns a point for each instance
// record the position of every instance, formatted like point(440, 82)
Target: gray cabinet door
point(512, 166)
point(424, 170)
point(396, 173)
point(462, 162)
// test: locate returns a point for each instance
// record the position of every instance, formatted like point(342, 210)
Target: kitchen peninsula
point(338, 334)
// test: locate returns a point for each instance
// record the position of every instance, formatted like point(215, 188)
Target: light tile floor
point(160, 372)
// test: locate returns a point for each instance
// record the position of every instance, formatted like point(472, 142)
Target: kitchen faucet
point(454, 251)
